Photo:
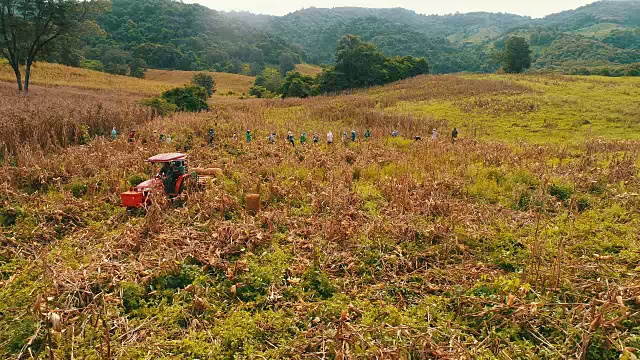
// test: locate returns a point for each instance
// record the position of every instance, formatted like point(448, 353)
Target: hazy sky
point(536, 8)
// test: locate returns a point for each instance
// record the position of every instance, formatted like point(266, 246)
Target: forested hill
point(603, 33)
point(169, 34)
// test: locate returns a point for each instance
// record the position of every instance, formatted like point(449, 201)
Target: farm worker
point(181, 168)
point(316, 138)
point(417, 138)
point(434, 134)
point(161, 137)
point(394, 133)
point(454, 135)
point(169, 139)
point(367, 134)
point(235, 137)
point(114, 133)
point(164, 171)
point(303, 138)
point(329, 138)
point(132, 136)
point(169, 179)
point(212, 136)
point(344, 137)
point(290, 138)
point(272, 138)
point(353, 135)
point(248, 136)
point(187, 143)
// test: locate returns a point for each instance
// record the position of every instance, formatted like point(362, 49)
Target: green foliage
point(516, 57)
point(270, 79)
point(286, 63)
point(132, 294)
point(261, 92)
point(138, 68)
point(136, 179)
point(562, 192)
point(160, 106)
point(317, 282)
point(187, 98)
point(78, 188)
point(206, 81)
point(170, 34)
point(297, 85)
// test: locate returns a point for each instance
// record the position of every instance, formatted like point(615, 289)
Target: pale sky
point(536, 8)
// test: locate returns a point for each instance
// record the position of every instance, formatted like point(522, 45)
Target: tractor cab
point(171, 179)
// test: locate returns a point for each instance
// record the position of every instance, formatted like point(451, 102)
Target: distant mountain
point(170, 34)
point(607, 31)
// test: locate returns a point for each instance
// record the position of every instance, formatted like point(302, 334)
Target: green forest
point(166, 34)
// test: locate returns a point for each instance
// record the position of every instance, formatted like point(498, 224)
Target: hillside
point(155, 82)
point(462, 42)
point(225, 82)
point(169, 34)
point(519, 240)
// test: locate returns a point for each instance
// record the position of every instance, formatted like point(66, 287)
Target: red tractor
point(172, 179)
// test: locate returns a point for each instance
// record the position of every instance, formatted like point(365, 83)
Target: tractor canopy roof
point(164, 158)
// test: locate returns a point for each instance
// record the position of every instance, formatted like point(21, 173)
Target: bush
point(136, 179)
point(138, 68)
point(261, 92)
point(189, 98)
point(160, 106)
point(206, 81)
point(560, 191)
point(78, 188)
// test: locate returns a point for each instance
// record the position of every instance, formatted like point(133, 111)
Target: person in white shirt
point(434, 134)
point(329, 138)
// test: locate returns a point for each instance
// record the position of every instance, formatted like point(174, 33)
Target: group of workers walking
point(272, 138)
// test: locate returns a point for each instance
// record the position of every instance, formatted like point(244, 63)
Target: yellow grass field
point(307, 69)
point(60, 75)
point(517, 240)
point(225, 82)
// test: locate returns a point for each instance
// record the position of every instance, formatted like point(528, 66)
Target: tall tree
point(516, 57)
point(29, 26)
point(360, 62)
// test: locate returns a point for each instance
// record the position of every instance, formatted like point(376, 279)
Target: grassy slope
point(307, 69)
point(225, 82)
point(60, 75)
point(388, 248)
point(155, 81)
point(548, 109)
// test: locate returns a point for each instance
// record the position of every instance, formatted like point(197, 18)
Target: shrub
point(131, 296)
point(261, 92)
point(562, 192)
point(160, 106)
point(138, 68)
point(206, 81)
point(317, 282)
point(188, 98)
point(78, 188)
point(136, 179)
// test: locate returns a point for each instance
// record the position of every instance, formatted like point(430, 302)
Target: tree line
point(358, 64)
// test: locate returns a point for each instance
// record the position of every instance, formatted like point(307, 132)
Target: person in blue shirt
point(212, 136)
point(353, 135)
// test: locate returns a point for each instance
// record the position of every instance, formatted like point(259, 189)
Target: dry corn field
point(518, 241)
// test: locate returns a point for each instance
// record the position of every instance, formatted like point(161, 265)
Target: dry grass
point(389, 248)
point(308, 69)
point(225, 82)
point(59, 75)
point(58, 117)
